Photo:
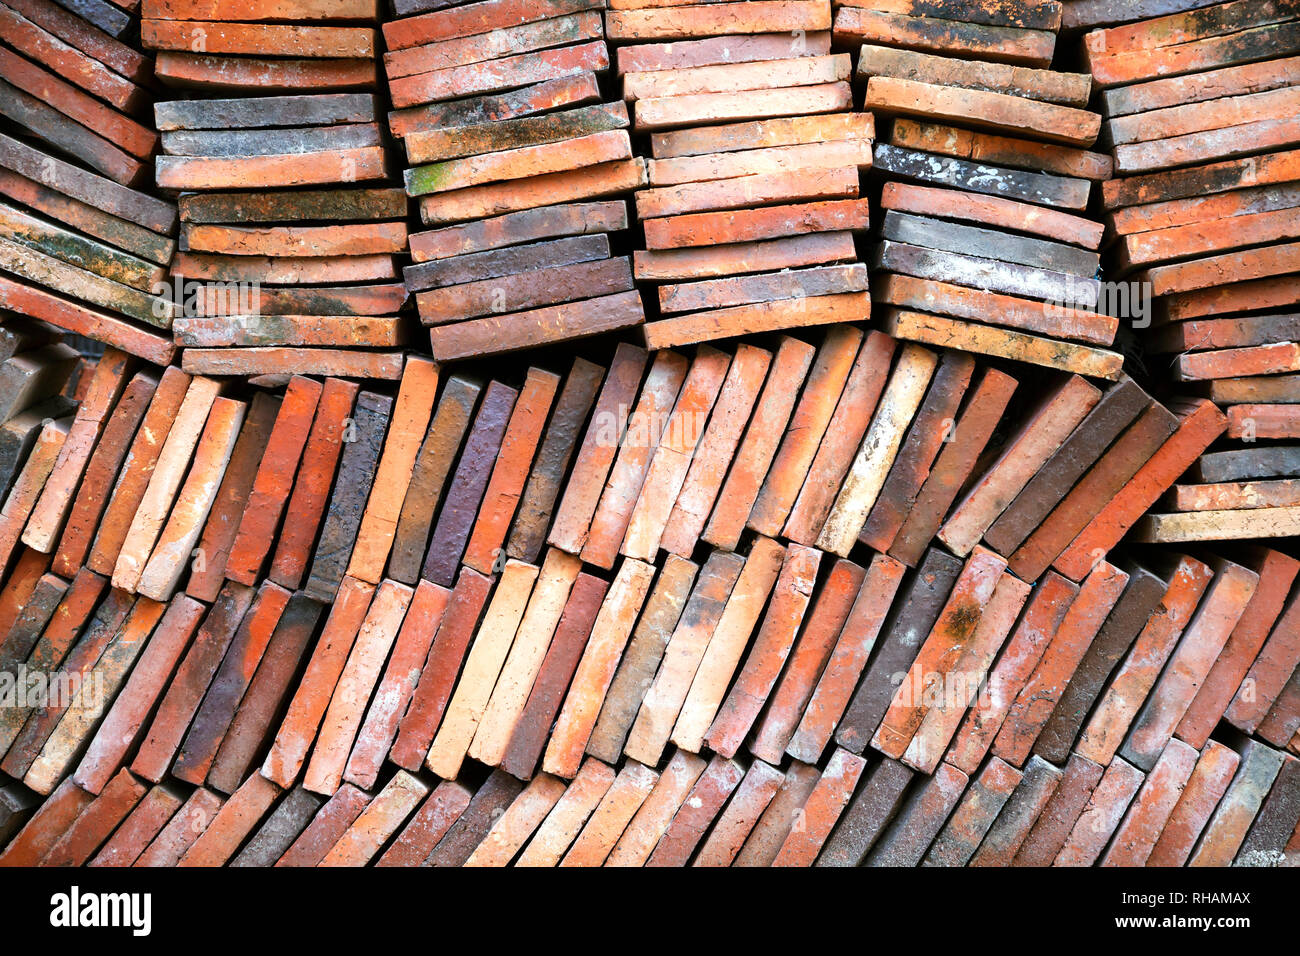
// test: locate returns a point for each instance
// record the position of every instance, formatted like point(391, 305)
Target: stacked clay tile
point(753, 197)
point(822, 596)
point(1201, 120)
point(83, 245)
point(518, 621)
point(985, 241)
point(518, 166)
point(289, 233)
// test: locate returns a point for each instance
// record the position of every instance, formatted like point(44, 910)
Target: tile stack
point(1201, 120)
point(985, 243)
point(818, 596)
point(289, 232)
point(81, 246)
point(754, 191)
point(548, 622)
point(519, 166)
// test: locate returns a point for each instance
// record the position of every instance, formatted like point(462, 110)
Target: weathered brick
point(281, 828)
point(759, 445)
point(355, 685)
point(568, 816)
point(1018, 814)
point(182, 830)
point(439, 812)
point(1275, 822)
point(1044, 686)
point(326, 827)
point(898, 405)
point(1200, 424)
point(538, 501)
point(415, 731)
point(807, 661)
point(867, 816)
point(96, 822)
point(522, 38)
point(126, 718)
point(926, 594)
point(656, 810)
point(306, 709)
point(497, 199)
point(636, 671)
point(682, 652)
point(537, 715)
point(191, 681)
point(537, 630)
point(472, 19)
point(424, 614)
point(755, 792)
point(518, 448)
point(808, 424)
point(612, 816)
point(766, 658)
point(957, 459)
point(595, 671)
point(919, 819)
point(841, 439)
point(232, 823)
point(1201, 643)
point(158, 497)
point(139, 828)
point(525, 101)
point(759, 134)
point(736, 48)
point(822, 810)
point(101, 473)
point(1008, 44)
point(640, 440)
point(932, 427)
point(47, 825)
point(306, 507)
point(465, 493)
point(960, 688)
point(596, 454)
point(224, 517)
point(1277, 572)
point(482, 668)
point(1151, 809)
point(377, 822)
point(52, 507)
point(711, 790)
point(1132, 612)
point(173, 551)
point(770, 830)
point(1100, 818)
point(429, 476)
point(512, 828)
point(229, 684)
point(1059, 815)
point(940, 652)
point(475, 821)
point(974, 815)
point(251, 726)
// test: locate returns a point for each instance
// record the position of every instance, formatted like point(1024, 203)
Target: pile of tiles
point(1202, 123)
point(514, 160)
point(80, 244)
point(754, 189)
point(756, 582)
point(274, 278)
point(985, 243)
